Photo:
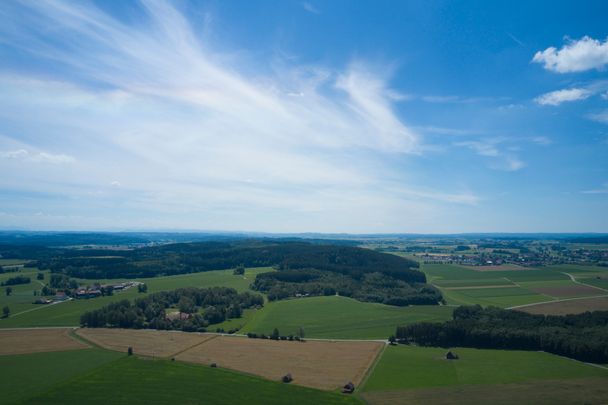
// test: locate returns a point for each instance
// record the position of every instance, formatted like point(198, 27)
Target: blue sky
point(290, 116)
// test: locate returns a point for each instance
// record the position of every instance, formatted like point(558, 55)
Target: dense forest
point(194, 310)
point(205, 256)
point(583, 337)
point(371, 287)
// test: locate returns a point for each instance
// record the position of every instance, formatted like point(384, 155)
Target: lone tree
point(9, 291)
point(142, 288)
point(6, 311)
point(40, 276)
point(301, 333)
point(275, 334)
point(129, 351)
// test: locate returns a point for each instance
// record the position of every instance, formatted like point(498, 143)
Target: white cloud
point(40, 157)
point(561, 96)
point(310, 8)
point(575, 56)
point(500, 156)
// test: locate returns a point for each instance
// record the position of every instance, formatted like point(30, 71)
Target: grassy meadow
point(340, 317)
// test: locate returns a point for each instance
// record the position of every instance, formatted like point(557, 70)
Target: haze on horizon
point(357, 117)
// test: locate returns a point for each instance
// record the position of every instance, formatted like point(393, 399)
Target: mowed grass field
point(462, 285)
point(340, 318)
point(419, 375)
point(132, 381)
point(27, 375)
point(26, 314)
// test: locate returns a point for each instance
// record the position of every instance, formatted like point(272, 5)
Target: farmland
point(26, 375)
point(340, 317)
point(144, 342)
point(408, 373)
point(465, 285)
point(323, 365)
point(37, 340)
point(120, 382)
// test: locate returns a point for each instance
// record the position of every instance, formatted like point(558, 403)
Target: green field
point(132, 381)
point(68, 313)
point(408, 367)
point(26, 375)
point(340, 317)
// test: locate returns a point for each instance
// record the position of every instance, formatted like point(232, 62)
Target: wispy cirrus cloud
point(38, 157)
point(574, 56)
point(178, 129)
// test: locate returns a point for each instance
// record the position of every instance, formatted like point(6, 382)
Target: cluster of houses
point(96, 290)
point(93, 291)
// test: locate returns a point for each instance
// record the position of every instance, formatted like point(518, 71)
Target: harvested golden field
point(37, 340)
point(546, 392)
point(575, 306)
point(145, 342)
point(318, 364)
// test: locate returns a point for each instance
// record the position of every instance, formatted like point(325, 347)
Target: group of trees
point(583, 337)
point(198, 308)
point(16, 280)
point(371, 287)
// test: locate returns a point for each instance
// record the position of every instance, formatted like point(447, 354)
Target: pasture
point(340, 317)
point(19, 341)
point(324, 365)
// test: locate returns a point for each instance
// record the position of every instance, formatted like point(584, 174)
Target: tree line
point(582, 337)
point(198, 308)
point(16, 280)
point(371, 287)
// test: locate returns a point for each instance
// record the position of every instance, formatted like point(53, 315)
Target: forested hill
point(205, 256)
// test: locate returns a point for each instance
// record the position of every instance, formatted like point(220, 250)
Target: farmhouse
point(87, 293)
point(61, 296)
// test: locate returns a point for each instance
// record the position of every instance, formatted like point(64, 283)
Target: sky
point(304, 116)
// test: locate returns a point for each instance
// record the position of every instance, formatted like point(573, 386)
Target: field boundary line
point(370, 370)
point(193, 346)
